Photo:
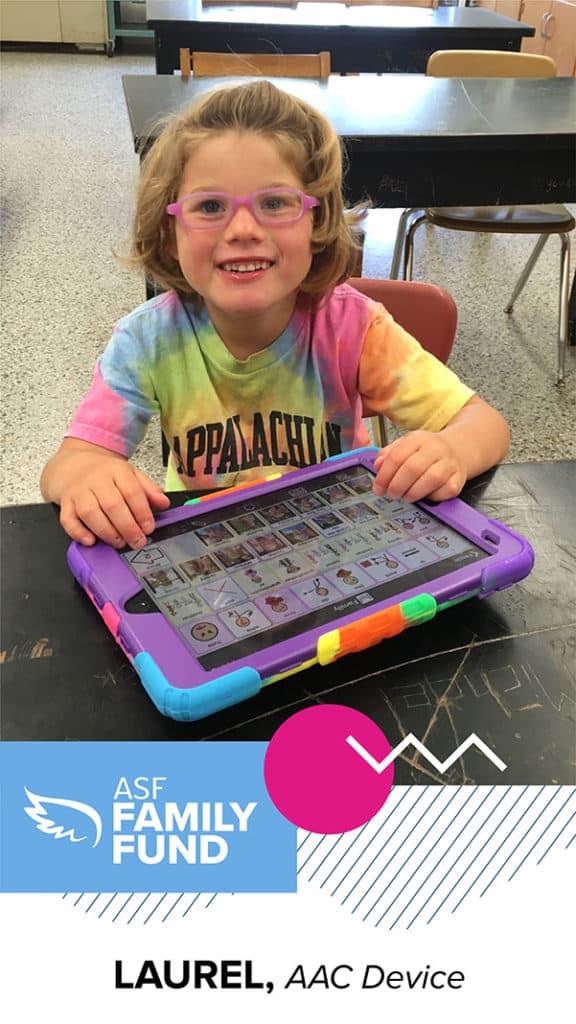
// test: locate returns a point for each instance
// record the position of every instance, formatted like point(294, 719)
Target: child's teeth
point(245, 267)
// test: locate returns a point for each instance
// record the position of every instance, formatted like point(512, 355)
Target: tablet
point(240, 589)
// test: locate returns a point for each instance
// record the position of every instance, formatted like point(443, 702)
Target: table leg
point(572, 313)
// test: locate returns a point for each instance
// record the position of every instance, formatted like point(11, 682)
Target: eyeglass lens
point(271, 206)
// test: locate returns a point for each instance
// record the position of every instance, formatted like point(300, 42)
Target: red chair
point(426, 311)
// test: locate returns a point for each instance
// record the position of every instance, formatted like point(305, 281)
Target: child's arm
point(437, 465)
point(100, 495)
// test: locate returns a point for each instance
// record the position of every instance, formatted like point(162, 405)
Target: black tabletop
point(359, 38)
point(502, 668)
point(179, 13)
point(449, 142)
point(366, 107)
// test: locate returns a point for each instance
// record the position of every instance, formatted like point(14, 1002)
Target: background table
point(447, 142)
point(472, 142)
point(358, 38)
point(503, 668)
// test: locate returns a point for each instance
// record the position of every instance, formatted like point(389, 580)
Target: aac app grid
point(276, 559)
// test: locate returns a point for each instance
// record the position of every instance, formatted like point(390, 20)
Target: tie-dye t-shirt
point(291, 405)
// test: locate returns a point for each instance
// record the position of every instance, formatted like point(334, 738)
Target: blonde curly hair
point(305, 139)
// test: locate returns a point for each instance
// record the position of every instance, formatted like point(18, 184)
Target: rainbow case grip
point(183, 690)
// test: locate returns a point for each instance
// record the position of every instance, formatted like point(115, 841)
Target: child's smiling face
point(241, 164)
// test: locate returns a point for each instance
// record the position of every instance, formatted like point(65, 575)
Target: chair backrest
point(392, 3)
point(251, 3)
point(489, 64)
point(426, 311)
point(272, 65)
point(348, 3)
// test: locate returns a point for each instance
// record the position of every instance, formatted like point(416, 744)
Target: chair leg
point(400, 241)
point(381, 431)
point(563, 314)
point(526, 272)
point(409, 244)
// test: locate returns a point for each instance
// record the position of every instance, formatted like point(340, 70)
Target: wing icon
point(44, 823)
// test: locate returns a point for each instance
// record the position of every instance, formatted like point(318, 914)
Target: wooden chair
point(426, 311)
point(270, 65)
point(251, 3)
point(347, 3)
point(393, 3)
point(489, 64)
point(543, 220)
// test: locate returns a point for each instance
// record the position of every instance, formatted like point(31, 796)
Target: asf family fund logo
point(144, 825)
point(46, 813)
point(141, 818)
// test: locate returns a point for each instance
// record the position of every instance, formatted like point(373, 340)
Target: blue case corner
point(189, 705)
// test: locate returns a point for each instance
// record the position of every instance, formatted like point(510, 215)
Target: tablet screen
point(235, 581)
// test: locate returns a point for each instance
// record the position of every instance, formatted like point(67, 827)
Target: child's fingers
point(87, 520)
point(116, 507)
point(395, 454)
point(450, 489)
point(420, 475)
point(421, 478)
point(155, 494)
point(106, 513)
point(399, 468)
point(390, 450)
point(75, 528)
point(131, 489)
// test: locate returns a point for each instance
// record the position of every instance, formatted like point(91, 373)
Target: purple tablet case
point(183, 688)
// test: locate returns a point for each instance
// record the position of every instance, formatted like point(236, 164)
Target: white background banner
point(513, 945)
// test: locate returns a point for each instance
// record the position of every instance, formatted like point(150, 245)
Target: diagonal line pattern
point(533, 847)
point(422, 884)
point(321, 840)
point(482, 848)
point(417, 869)
point(140, 908)
point(557, 836)
point(446, 874)
point(431, 851)
point(463, 830)
point(378, 852)
point(389, 861)
point(502, 844)
point(358, 837)
point(175, 904)
point(153, 911)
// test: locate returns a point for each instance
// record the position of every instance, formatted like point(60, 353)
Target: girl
point(256, 355)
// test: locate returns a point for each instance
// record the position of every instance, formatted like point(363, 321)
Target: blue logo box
point(141, 817)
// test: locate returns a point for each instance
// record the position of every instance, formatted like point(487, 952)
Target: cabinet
point(37, 21)
point(555, 24)
point(54, 21)
point(510, 8)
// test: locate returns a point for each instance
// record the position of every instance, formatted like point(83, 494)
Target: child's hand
point(111, 500)
point(420, 465)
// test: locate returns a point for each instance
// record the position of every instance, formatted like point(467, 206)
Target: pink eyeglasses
point(203, 210)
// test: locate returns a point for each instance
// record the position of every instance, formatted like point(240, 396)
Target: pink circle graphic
point(317, 780)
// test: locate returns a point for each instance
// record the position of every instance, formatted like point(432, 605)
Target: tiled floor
point(68, 180)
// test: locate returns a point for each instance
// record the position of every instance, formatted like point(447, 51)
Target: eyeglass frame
point(175, 209)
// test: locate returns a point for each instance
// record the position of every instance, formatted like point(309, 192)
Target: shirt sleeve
point(121, 400)
point(401, 380)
